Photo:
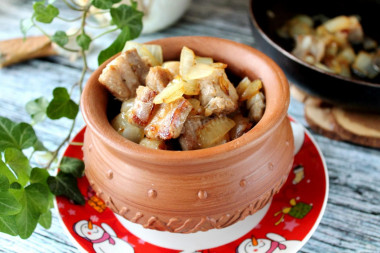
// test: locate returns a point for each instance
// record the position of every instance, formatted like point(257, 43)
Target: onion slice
point(152, 53)
point(214, 131)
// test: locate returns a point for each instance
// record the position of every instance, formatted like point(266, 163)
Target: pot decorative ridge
point(190, 191)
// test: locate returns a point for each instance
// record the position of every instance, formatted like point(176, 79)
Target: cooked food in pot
point(190, 103)
point(337, 45)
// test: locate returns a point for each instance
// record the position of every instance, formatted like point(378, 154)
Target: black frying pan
point(349, 92)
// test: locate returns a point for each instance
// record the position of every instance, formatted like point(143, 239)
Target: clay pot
point(189, 191)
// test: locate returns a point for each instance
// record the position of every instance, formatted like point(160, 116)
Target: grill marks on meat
point(213, 98)
point(158, 78)
point(124, 74)
point(143, 106)
point(167, 122)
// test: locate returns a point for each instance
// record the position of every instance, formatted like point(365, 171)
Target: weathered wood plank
point(352, 219)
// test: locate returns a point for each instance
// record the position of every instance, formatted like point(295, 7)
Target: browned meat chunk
point(310, 48)
point(189, 137)
point(158, 78)
point(138, 66)
point(124, 74)
point(119, 78)
point(218, 95)
point(168, 120)
point(143, 106)
point(242, 126)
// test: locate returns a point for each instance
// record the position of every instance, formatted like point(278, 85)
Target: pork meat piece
point(124, 74)
point(217, 94)
point(189, 137)
point(158, 78)
point(242, 126)
point(138, 65)
point(168, 120)
point(119, 78)
point(310, 48)
point(142, 107)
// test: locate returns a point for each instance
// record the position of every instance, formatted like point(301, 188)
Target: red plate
point(292, 217)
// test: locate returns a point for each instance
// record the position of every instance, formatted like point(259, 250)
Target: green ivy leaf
point(5, 171)
point(37, 109)
point(104, 4)
point(128, 16)
point(4, 183)
point(12, 135)
point(15, 186)
point(129, 20)
point(134, 4)
point(45, 14)
point(8, 204)
point(25, 25)
point(83, 40)
point(8, 225)
point(66, 185)
point(19, 163)
point(34, 201)
point(60, 37)
point(62, 105)
point(115, 47)
point(38, 196)
point(39, 176)
point(17, 193)
point(38, 146)
point(26, 220)
point(45, 219)
point(72, 166)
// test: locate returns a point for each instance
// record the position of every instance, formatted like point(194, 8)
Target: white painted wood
point(352, 219)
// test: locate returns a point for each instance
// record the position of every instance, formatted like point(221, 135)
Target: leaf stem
point(31, 155)
point(56, 151)
point(84, 70)
point(75, 3)
point(69, 20)
point(100, 12)
point(97, 26)
point(84, 16)
point(80, 83)
point(72, 7)
point(104, 33)
point(47, 35)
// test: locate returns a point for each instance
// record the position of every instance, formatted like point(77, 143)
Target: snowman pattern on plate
point(273, 236)
point(274, 243)
point(103, 237)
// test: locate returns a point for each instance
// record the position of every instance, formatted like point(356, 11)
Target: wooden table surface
point(351, 222)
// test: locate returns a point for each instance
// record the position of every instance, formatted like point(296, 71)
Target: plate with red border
point(291, 219)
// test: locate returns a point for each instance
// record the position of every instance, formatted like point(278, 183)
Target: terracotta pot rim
point(269, 122)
